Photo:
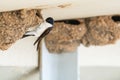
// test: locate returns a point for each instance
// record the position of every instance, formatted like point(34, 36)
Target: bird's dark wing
point(43, 35)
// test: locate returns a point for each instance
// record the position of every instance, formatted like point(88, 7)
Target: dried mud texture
point(14, 24)
point(65, 37)
point(101, 31)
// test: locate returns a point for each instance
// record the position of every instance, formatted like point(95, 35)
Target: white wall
point(108, 55)
point(22, 53)
point(19, 62)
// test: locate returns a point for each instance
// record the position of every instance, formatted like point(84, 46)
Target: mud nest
point(69, 34)
point(14, 24)
point(65, 36)
point(101, 31)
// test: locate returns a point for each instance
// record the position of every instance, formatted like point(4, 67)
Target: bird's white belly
point(40, 31)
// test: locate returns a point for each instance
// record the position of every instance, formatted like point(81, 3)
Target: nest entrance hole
point(116, 18)
point(71, 22)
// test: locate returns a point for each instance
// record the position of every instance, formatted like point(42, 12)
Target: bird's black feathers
point(41, 36)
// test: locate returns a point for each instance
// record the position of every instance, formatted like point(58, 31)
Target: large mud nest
point(14, 24)
point(65, 36)
point(68, 35)
point(101, 30)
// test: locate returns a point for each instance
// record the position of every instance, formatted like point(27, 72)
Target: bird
point(41, 31)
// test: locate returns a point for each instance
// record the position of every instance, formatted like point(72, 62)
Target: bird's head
point(50, 20)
